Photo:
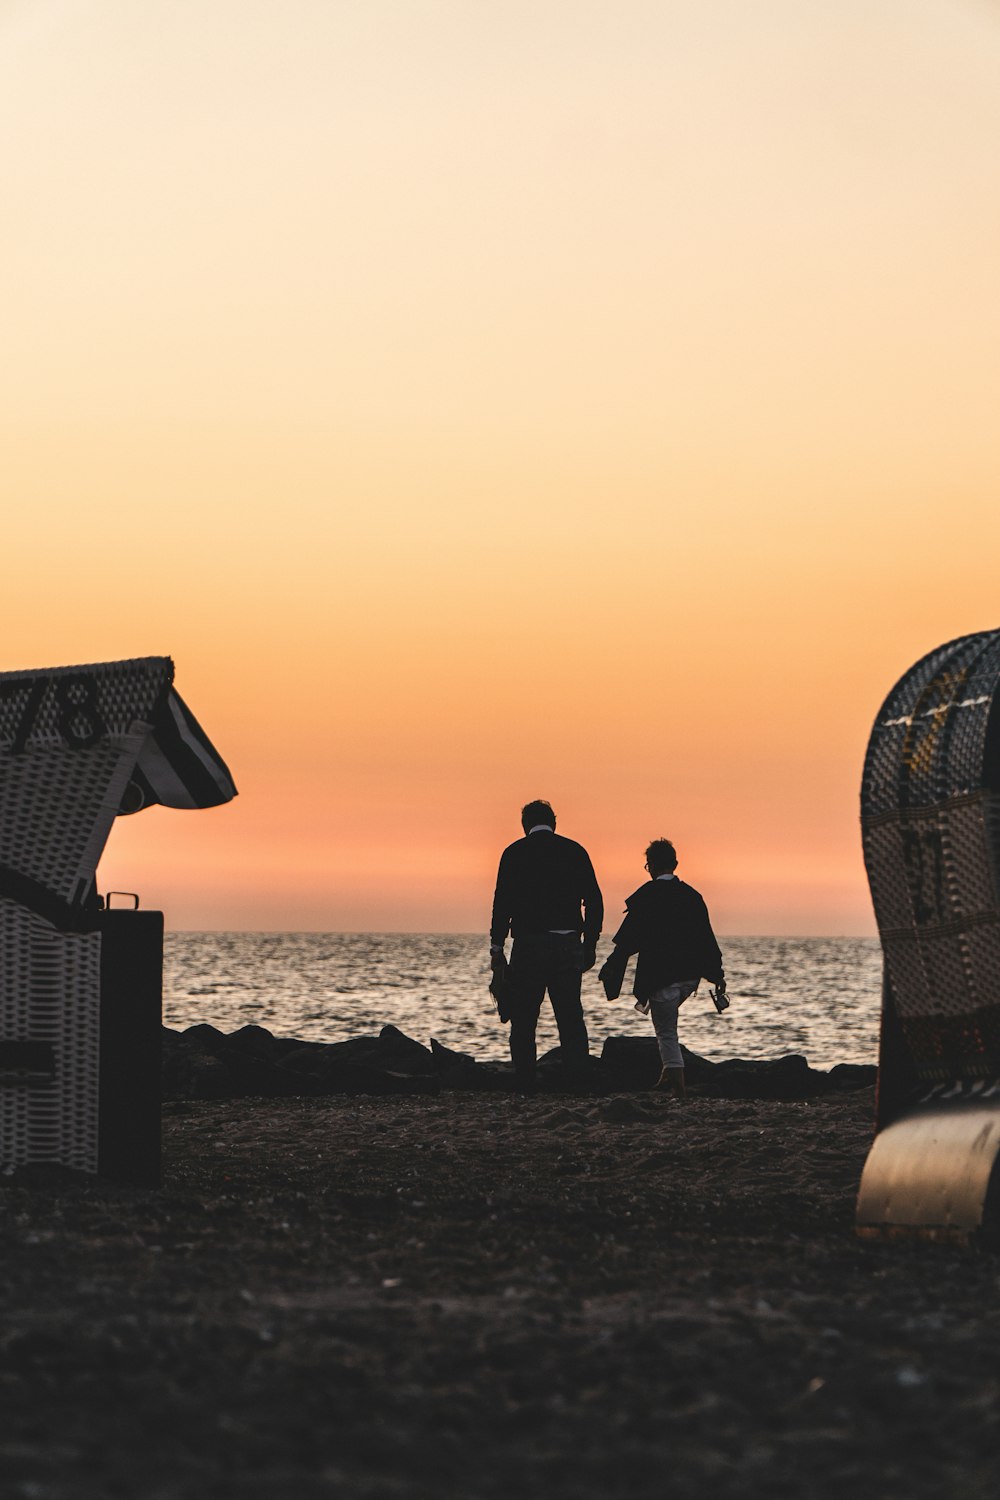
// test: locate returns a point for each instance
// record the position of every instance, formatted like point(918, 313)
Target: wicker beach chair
point(930, 816)
point(78, 746)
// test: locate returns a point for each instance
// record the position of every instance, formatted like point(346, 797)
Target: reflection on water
point(818, 996)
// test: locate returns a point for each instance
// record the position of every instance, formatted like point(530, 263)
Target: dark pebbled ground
point(487, 1296)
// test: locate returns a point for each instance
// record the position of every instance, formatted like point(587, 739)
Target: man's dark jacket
point(542, 883)
point(666, 923)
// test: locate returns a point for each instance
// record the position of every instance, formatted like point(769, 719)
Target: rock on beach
point(205, 1063)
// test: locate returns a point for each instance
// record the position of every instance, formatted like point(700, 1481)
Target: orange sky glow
point(580, 400)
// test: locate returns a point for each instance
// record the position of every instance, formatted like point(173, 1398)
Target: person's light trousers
point(663, 1007)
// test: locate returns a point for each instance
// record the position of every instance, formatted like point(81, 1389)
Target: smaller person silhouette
point(667, 925)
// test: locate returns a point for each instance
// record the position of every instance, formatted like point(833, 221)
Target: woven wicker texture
point(930, 817)
point(50, 993)
point(69, 740)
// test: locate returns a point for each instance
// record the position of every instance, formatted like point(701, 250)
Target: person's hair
point(661, 857)
point(537, 812)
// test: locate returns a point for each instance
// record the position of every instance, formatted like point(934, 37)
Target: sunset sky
point(483, 400)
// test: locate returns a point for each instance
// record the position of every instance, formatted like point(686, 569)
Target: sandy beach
point(485, 1295)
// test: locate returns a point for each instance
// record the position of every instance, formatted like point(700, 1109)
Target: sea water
point(817, 996)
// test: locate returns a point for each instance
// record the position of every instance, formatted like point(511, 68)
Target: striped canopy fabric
point(178, 765)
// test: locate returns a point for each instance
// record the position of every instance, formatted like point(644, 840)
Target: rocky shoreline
point(205, 1063)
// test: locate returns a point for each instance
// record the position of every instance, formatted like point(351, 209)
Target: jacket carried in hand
point(667, 924)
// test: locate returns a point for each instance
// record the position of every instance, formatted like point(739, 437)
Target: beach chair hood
point(78, 746)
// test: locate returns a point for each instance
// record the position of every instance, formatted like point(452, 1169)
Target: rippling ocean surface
point(817, 996)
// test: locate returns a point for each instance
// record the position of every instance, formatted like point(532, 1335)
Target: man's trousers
point(539, 962)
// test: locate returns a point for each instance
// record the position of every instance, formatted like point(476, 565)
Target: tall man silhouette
point(548, 899)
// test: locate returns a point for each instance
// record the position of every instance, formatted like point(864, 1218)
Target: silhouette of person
point(667, 924)
point(548, 899)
